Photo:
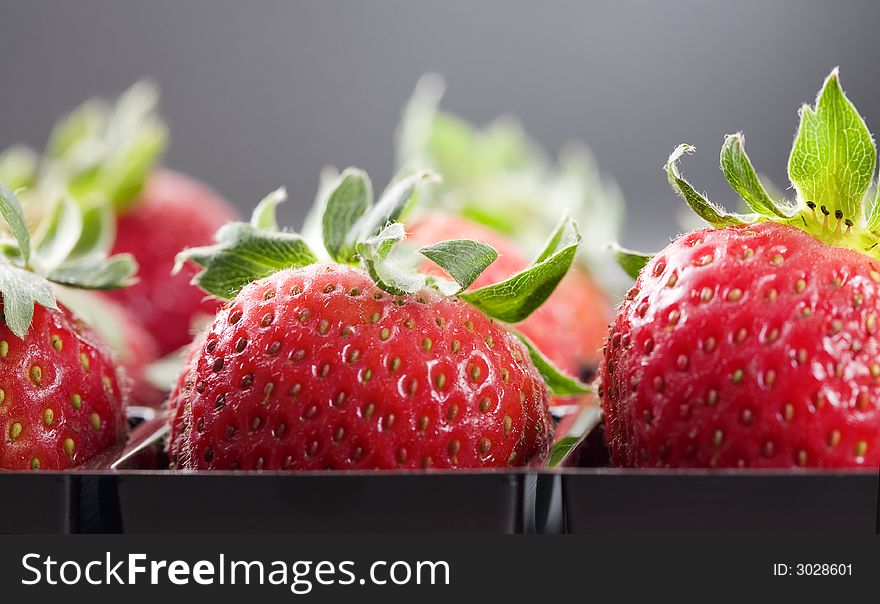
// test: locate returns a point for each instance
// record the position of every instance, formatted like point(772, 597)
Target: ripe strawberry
point(171, 213)
point(318, 368)
point(569, 328)
point(755, 344)
point(62, 395)
point(326, 366)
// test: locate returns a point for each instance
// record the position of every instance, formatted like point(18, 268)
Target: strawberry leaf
point(833, 158)
point(109, 150)
point(558, 383)
point(350, 197)
point(264, 214)
point(95, 272)
point(21, 289)
point(244, 254)
point(391, 276)
point(10, 209)
point(741, 175)
point(84, 123)
point(631, 261)
point(704, 208)
point(98, 232)
point(515, 298)
point(58, 234)
point(18, 167)
point(464, 260)
point(391, 205)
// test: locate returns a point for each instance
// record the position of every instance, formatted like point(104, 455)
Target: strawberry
point(754, 343)
point(182, 387)
point(171, 213)
point(106, 154)
point(502, 180)
point(361, 362)
point(62, 394)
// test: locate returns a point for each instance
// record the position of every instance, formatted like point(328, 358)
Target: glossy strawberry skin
point(61, 394)
point(316, 369)
point(173, 212)
point(569, 327)
point(752, 346)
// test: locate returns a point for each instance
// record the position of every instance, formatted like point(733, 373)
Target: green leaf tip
point(558, 383)
point(242, 254)
point(463, 259)
point(704, 208)
point(13, 216)
point(348, 200)
point(263, 216)
point(515, 298)
point(631, 261)
point(833, 158)
point(108, 149)
point(59, 252)
point(743, 178)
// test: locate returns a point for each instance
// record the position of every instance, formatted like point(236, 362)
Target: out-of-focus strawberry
point(172, 212)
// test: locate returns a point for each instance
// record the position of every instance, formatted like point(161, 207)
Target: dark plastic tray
point(604, 500)
point(171, 502)
point(37, 503)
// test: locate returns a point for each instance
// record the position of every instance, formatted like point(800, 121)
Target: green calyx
point(69, 247)
point(358, 231)
point(104, 152)
point(831, 167)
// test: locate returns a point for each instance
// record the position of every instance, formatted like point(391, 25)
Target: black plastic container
point(33, 502)
point(137, 501)
point(604, 500)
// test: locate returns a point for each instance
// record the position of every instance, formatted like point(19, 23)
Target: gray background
point(264, 93)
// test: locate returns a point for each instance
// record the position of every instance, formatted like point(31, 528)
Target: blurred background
point(264, 93)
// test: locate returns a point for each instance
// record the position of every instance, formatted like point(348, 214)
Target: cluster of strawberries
point(390, 334)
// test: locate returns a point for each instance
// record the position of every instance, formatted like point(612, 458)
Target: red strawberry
point(317, 368)
point(326, 366)
point(756, 345)
point(171, 213)
point(569, 328)
point(747, 346)
point(62, 395)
